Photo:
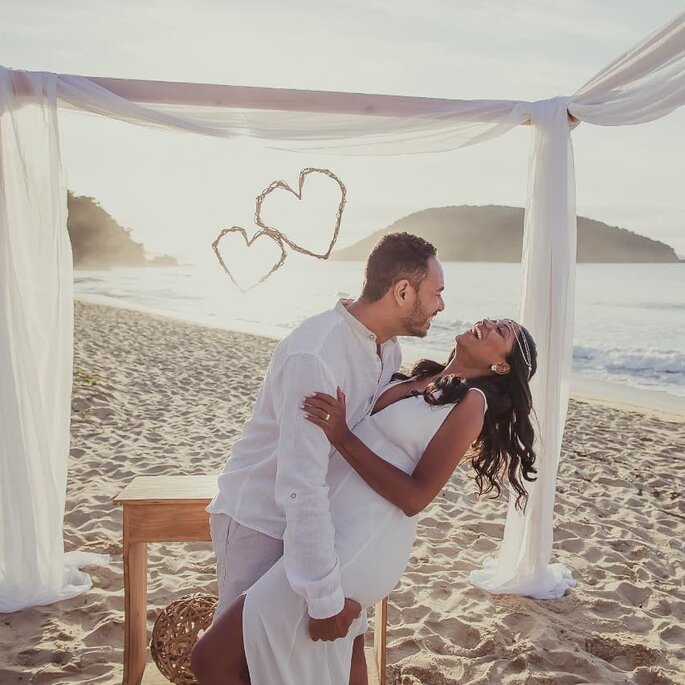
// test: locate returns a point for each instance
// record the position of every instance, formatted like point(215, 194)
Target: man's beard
point(415, 322)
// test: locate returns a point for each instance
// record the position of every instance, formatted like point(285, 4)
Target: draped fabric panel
point(36, 343)
point(547, 304)
point(36, 279)
point(646, 83)
point(450, 126)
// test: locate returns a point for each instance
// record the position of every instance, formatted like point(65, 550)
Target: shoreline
point(652, 402)
point(158, 397)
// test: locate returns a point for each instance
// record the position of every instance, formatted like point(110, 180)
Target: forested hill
point(495, 234)
point(99, 242)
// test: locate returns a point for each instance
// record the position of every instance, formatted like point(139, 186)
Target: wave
point(193, 294)
point(664, 306)
point(117, 293)
point(88, 279)
point(661, 366)
point(636, 304)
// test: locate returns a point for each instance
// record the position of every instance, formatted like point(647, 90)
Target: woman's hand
point(329, 414)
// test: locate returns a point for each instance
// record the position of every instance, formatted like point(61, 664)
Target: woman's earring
point(493, 367)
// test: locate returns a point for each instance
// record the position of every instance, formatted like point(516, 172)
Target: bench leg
point(379, 638)
point(135, 612)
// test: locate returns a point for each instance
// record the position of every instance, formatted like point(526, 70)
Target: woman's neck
point(457, 368)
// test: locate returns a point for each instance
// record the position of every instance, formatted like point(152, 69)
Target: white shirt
point(275, 479)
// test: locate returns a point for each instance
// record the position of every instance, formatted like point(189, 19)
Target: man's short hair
point(396, 256)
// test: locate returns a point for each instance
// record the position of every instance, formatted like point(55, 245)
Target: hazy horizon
point(176, 191)
point(340, 245)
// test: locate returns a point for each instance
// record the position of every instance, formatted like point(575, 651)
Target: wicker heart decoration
point(274, 234)
point(282, 185)
point(265, 235)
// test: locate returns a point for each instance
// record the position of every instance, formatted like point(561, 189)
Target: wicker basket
point(175, 633)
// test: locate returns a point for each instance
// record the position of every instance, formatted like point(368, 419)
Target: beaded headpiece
point(523, 346)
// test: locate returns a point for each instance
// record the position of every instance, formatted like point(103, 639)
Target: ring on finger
point(328, 416)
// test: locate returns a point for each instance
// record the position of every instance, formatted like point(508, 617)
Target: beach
point(159, 396)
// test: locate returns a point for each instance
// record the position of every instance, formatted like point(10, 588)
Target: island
point(99, 242)
point(494, 233)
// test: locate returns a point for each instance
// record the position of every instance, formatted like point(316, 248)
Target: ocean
point(629, 330)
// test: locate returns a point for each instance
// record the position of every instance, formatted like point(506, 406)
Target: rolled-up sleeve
point(311, 562)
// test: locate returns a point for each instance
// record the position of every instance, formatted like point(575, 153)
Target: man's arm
point(311, 562)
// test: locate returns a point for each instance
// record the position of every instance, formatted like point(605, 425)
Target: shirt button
point(293, 495)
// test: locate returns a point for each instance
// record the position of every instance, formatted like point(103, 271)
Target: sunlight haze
point(177, 190)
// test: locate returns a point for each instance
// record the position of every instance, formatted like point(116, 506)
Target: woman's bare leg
point(358, 674)
point(218, 658)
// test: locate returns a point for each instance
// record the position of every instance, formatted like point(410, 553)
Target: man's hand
point(329, 629)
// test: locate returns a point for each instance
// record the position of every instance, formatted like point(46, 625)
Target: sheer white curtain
point(36, 321)
point(452, 124)
point(646, 83)
point(36, 279)
point(547, 304)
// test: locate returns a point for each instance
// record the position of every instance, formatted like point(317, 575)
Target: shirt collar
point(356, 325)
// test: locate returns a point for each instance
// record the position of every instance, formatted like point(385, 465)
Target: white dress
point(373, 539)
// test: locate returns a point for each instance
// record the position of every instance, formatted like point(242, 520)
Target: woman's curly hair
point(505, 443)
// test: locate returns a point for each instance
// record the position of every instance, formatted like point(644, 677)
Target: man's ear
point(402, 291)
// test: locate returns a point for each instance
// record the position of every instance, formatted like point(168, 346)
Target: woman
point(477, 405)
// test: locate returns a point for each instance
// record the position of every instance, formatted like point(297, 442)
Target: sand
point(157, 396)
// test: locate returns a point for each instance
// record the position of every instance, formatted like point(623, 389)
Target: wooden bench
point(172, 509)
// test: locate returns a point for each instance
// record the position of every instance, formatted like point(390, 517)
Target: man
point(273, 499)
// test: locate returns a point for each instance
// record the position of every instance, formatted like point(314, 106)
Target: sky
point(176, 191)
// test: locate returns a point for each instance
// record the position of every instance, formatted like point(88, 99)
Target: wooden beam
point(281, 99)
point(286, 99)
point(380, 638)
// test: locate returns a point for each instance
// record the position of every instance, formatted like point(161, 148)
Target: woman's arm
point(411, 493)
